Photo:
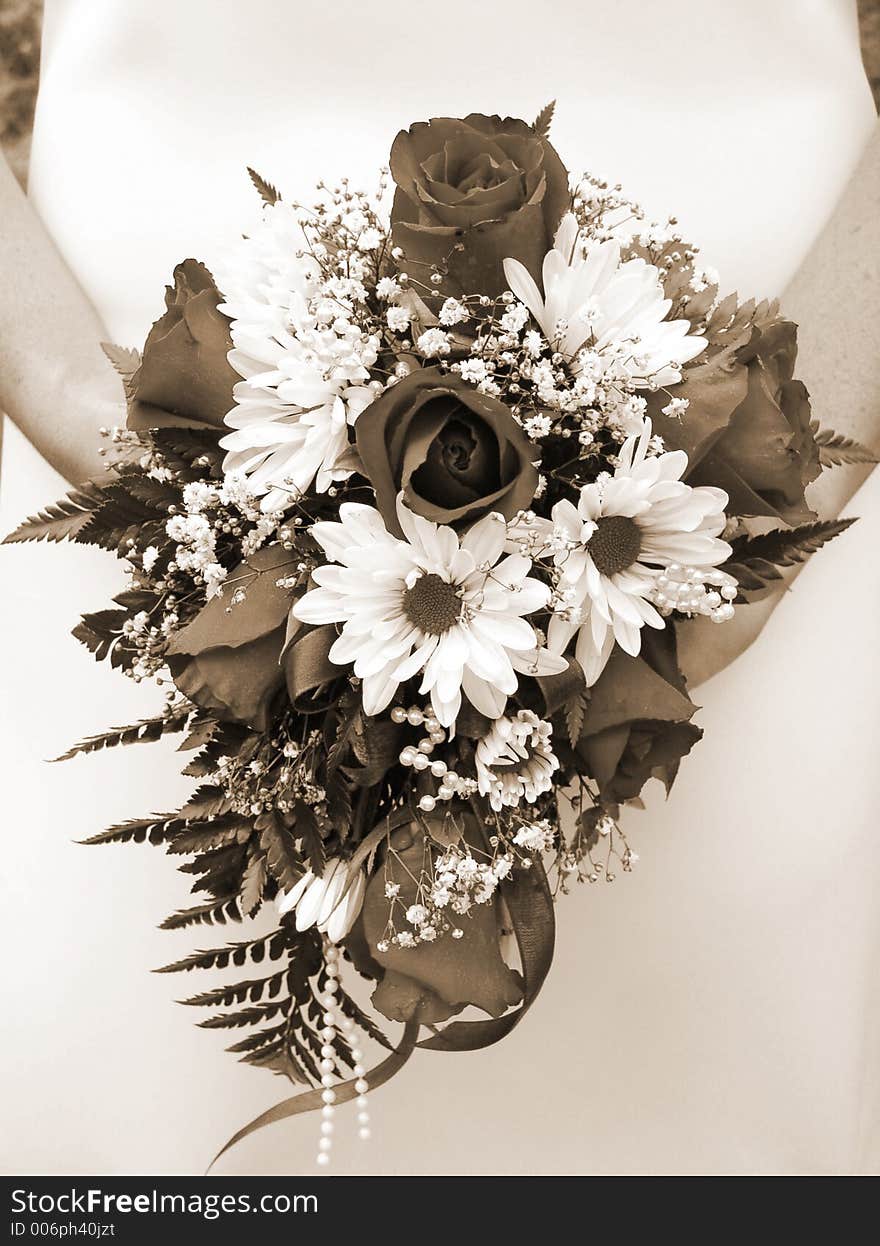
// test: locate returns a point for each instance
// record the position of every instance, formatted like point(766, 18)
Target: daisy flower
point(612, 549)
point(325, 900)
point(593, 300)
point(303, 360)
point(515, 760)
point(449, 608)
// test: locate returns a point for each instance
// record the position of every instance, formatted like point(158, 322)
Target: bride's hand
point(835, 300)
point(55, 381)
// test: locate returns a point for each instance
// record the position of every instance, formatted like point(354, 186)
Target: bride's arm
point(835, 300)
point(55, 382)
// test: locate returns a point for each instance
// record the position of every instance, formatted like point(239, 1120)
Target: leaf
point(206, 802)
point(215, 912)
point(284, 862)
point(266, 190)
point(835, 449)
point(273, 945)
point(755, 561)
point(245, 1016)
point(253, 883)
point(158, 829)
point(307, 831)
point(126, 360)
point(226, 996)
point(206, 836)
point(541, 124)
point(574, 715)
point(100, 631)
point(144, 732)
point(62, 520)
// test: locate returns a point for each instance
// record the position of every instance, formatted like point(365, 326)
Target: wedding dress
point(716, 1011)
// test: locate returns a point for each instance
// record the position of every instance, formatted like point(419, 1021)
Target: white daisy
point(515, 760)
point(593, 300)
point(303, 359)
point(433, 603)
point(325, 900)
point(611, 550)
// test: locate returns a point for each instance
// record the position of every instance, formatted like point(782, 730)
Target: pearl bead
point(451, 778)
point(327, 1079)
point(328, 1111)
point(325, 1143)
point(327, 1052)
point(363, 1133)
point(398, 714)
point(328, 1096)
point(327, 1128)
point(432, 724)
point(420, 762)
point(444, 792)
point(438, 769)
point(328, 1034)
point(362, 1101)
point(357, 1055)
point(361, 1086)
point(415, 717)
point(407, 755)
point(347, 1024)
point(426, 746)
point(358, 1070)
point(323, 1157)
point(327, 1065)
point(437, 737)
point(363, 1118)
point(427, 803)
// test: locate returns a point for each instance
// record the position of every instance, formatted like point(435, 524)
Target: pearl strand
point(334, 1021)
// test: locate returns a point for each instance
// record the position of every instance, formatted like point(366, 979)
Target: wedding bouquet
point(411, 501)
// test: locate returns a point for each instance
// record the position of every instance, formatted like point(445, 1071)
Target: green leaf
point(61, 521)
point(835, 449)
point(143, 732)
point(541, 124)
point(266, 190)
point(755, 561)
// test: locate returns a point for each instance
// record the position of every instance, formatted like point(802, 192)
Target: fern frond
point(158, 829)
point(756, 561)
point(62, 520)
point(836, 450)
point(214, 913)
point(541, 124)
point(272, 945)
point(143, 732)
point(265, 190)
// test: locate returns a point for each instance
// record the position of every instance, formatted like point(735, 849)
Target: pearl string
point(335, 1021)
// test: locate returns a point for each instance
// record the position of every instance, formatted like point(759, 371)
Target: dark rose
point(471, 193)
point(438, 979)
point(184, 377)
point(622, 759)
point(747, 428)
point(455, 453)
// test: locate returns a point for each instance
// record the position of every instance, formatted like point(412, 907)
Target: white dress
point(716, 1011)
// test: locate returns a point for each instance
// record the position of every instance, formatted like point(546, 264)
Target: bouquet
point(411, 499)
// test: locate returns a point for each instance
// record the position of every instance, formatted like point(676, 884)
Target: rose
point(184, 378)
point(622, 759)
point(469, 194)
point(455, 453)
point(747, 426)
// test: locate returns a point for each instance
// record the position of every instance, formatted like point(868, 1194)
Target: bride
point(716, 1011)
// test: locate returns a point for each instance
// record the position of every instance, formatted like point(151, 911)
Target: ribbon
point(309, 1100)
point(531, 910)
point(308, 667)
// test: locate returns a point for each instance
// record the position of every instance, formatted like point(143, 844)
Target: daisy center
point(432, 604)
point(615, 545)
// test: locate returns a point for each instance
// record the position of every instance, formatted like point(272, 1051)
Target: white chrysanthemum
point(323, 901)
point(303, 359)
point(515, 760)
point(593, 300)
point(433, 603)
point(612, 548)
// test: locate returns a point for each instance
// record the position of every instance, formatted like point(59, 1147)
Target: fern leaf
point(238, 993)
point(143, 732)
point(755, 561)
point(574, 715)
point(285, 863)
point(244, 1016)
point(205, 836)
point(214, 913)
point(62, 520)
point(206, 802)
point(273, 945)
point(542, 122)
point(253, 884)
point(158, 829)
point(265, 190)
point(836, 450)
point(126, 360)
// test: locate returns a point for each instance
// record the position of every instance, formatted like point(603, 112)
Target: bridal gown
point(716, 1011)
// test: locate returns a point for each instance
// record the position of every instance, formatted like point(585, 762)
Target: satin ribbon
point(307, 666)
point(309, 1100)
